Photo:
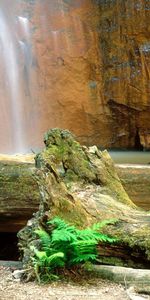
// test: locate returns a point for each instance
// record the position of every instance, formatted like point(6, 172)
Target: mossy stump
point(80, 185)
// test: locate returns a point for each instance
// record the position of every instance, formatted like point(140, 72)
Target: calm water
point(137, 179)
point(130, 157)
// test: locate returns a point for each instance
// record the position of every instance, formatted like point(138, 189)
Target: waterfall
point(12, 82)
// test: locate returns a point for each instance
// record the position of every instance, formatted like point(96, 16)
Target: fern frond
point(87, 234)
point(55, 260)
point(43, 260)
point(44, 237)
point(107, 239)
point(41, 255)
point(61, 224)
point(84, 243)
point(58, 222)
point(82, 249)
point(62, 235)
point(84, 258)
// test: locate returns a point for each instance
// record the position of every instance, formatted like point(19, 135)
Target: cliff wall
point(124, 34)
point(79, 64)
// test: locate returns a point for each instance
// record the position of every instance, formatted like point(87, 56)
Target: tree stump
point(80, 185)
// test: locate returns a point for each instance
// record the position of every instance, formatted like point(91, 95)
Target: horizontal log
point(19, 193)
point(11, 264)
point(137, 278)
point(121, 254)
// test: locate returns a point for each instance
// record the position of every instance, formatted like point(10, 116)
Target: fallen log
point(129, 277)
point(20, 196)
point(80, 185)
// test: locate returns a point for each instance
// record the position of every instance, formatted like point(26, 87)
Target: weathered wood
point(11, 264)
point(20, 197)
point(81, 185)
point(138, 278)
point(19, 194)
point(121, 254)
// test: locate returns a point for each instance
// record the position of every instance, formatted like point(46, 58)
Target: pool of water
point(130, 157)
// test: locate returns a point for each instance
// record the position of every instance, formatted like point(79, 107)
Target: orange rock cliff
point(83, 65)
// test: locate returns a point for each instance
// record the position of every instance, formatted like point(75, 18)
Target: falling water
point(19, 104)
point(25, 24)
point(9, 55)
point(37, 42)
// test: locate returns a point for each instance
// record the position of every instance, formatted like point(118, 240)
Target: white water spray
point(25, 24)
point(12, 81)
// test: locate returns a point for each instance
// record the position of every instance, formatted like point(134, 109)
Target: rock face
point(78, 64)
point(125, 51)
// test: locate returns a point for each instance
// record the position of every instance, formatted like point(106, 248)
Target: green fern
point(44, 237)
point(61, 224)
point(63, 235)
point(66, 246)
point(44, 265)
point(84, 258)
point(83, 251)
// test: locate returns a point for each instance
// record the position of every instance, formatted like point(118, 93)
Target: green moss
point(71, 212)
point(62, 148)
point(114, 261)
point(17, 182)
